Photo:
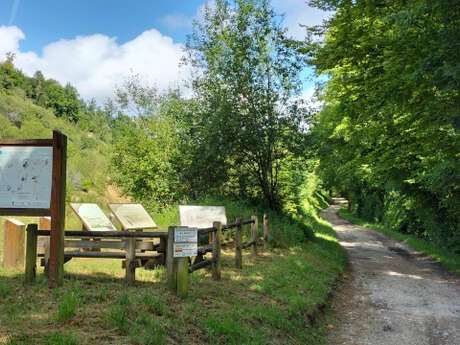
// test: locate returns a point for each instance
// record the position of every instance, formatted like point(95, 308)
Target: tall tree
point(247, 74)
point(389, 134)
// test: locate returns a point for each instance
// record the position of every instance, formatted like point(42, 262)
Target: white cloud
point(298, 12)
point(9, 39)
point(95, 64)
point(177, 21)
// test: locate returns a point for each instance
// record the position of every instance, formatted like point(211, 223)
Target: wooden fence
point(178, 268)
point(126, 241)
point(139, 246)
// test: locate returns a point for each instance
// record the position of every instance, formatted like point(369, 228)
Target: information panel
point(132, 216)
point(92, 217)
point(26, 177)
point(201, 216)
point(185, 242)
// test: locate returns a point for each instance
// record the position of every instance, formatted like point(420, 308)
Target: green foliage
point(388, 135)
point(245, 132)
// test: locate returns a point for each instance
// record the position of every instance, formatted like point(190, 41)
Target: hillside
point(88, 154)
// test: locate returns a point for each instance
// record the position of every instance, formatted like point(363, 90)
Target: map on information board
point(25, 176)
point(132, 216)
point(92, 217)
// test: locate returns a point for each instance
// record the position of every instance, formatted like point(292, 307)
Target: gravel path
point(395, 295)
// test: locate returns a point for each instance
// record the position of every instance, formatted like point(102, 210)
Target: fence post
point(182, 276)
point(43, 243)
point(163, 248)
point(170, 260)
point(254, 227)
point(13, 244)
point(238, 252)
point(31, 253)
point(216, 248)
point(265, 232)
point(130, 260)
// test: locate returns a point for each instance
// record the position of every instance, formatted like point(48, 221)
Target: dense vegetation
point(239, 135)
point(388, 136)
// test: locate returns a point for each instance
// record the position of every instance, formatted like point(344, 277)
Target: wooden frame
point(57, 200)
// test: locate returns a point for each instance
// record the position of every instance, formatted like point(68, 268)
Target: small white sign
point(187, 235)
point(185, 249)
point(185, 242)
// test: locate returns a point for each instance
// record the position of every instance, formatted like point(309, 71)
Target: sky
point(96, 44)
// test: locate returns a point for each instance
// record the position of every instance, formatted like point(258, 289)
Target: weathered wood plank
point(31, 212)
point(130, 261)
point(182, 276)
point(265, 220)
point(171, 272)
point(92, 244)
point(58, 190)
point(31, 253)
point(238, 251)
point(201, 264)
point(26, 142)
point(103, 234)
point(254, 227)
point(13, 244)
point(216, 252)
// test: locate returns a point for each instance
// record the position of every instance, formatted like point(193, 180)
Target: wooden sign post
point(32, 183)
point(182, 244)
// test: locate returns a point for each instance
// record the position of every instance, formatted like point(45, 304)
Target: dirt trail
point(395, 295)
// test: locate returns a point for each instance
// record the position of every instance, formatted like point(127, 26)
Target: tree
point(147, 161)
point(247, 124)
point(389, 134)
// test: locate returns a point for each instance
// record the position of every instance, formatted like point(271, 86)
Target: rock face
point(395, 295)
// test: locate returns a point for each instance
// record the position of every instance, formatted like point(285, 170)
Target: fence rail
point(177, 268)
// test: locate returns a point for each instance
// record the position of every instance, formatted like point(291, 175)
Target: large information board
point(92, 217)
point(132, 216)
point(26, 177)
point(33, 183)
point(201, 216)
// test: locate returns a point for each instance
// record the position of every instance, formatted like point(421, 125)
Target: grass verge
point(277, 298)
point(442, 255)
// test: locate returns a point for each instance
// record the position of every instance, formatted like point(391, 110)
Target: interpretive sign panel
point(201, 216)
point(26, 177)
point(132, 216)
point(185, 234)
point(92, 217)
point(185, 242)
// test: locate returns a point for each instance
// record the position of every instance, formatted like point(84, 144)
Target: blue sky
point(97, 44)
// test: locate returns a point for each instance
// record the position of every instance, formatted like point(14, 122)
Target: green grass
point(67, 306)
point(443, 255)
point(277, 298)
